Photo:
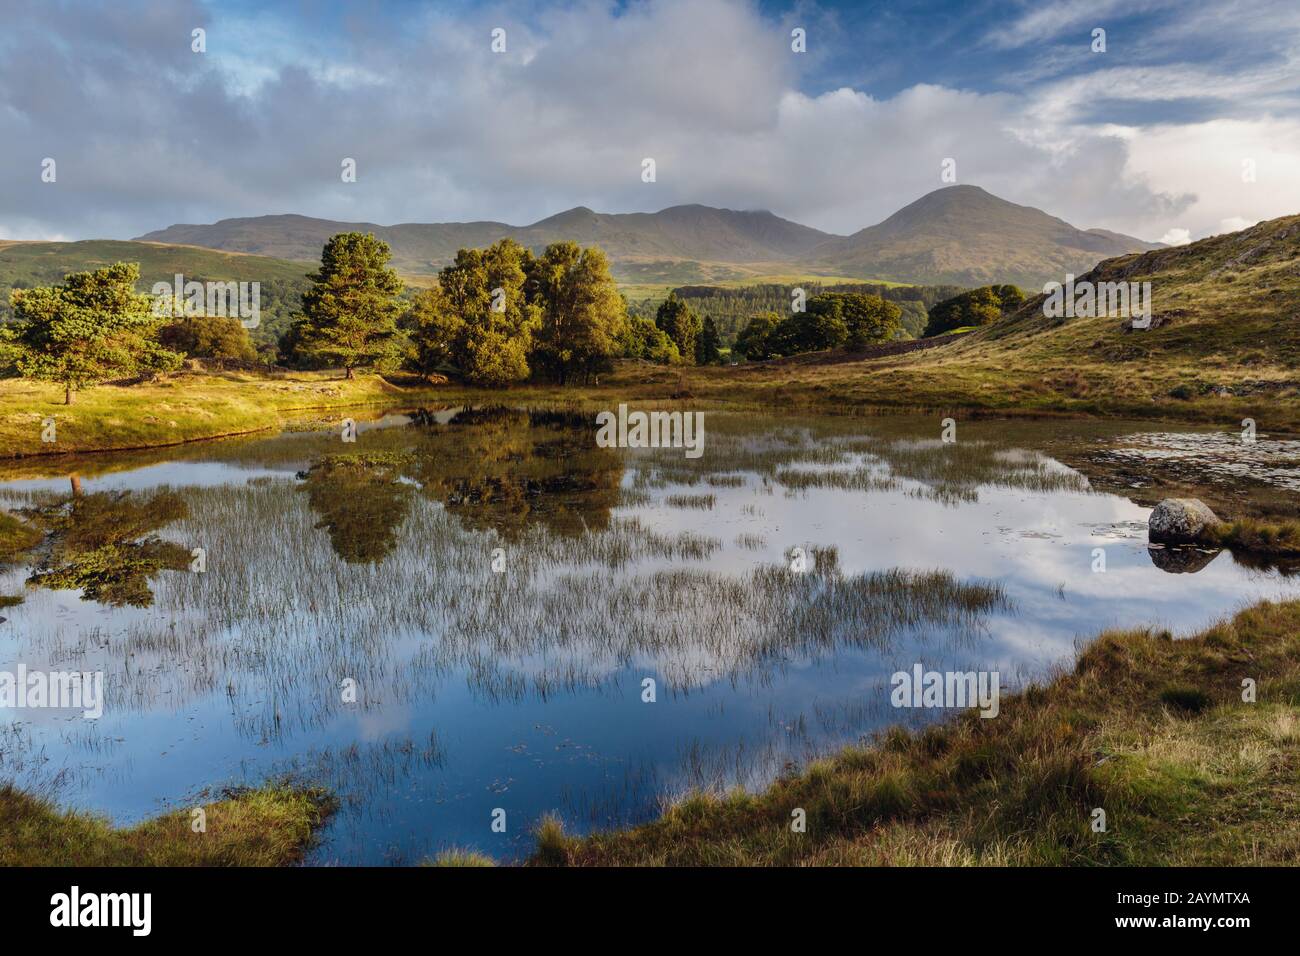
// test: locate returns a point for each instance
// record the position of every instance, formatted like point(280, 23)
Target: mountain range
point(958, 235)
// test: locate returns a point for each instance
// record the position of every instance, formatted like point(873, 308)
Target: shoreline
point(229, 406)
point(1147, 728)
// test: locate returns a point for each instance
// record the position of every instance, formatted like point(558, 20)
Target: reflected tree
point(500, 469)
point(103, 544)
point(361, 502)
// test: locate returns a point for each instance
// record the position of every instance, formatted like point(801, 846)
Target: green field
point(178, 408)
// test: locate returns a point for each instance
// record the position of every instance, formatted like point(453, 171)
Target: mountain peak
point(965, 235)
point(958, 235)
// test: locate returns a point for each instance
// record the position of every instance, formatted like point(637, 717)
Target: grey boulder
point(1180, 521)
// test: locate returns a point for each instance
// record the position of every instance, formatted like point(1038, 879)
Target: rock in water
point(1180, 560)
point(1179, 520)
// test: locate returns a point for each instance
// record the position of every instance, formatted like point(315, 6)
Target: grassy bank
point(1277, 538)
point(1149, 729)
point(270, 826)
point(177, 408)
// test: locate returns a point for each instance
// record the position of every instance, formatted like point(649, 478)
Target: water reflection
point(361, 501)
point(102, 544)
point(503, 469)
point(517, 683)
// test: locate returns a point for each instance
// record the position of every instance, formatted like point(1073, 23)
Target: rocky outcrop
point(1180, 521)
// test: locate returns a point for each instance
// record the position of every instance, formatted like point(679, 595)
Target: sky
point(1186, 125)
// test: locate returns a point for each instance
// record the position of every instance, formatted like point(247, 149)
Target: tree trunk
point(348, 372)
point(75, 479)
point(68, 395)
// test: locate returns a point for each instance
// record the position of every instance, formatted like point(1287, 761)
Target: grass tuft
point(272, 825)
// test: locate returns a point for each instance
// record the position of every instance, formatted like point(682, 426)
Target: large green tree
point(93, 328)
point(868, 319)
point(215, 337)
point(583, 316)
point(755, 340)
point(820, 326)
point(706, 344)
point(349, 315)
point(974, 307)
point(642, 339)
point(681, 323)
point(478, 319)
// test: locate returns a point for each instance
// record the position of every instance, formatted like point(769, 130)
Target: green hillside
point(1224, 346)
point(27, 264)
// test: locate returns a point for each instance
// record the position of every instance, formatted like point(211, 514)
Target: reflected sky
point(522, 689)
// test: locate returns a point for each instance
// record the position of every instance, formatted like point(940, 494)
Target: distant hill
point(963, 235)
point(674, 235)
point(960, 235)
point(27, 264)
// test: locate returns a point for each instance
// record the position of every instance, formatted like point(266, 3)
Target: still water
point(499, 590)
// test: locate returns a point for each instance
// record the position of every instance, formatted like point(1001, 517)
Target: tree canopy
point(831, 320)
point(584, 317)
point(680, 323)
point(350, 312)
point(973, 307)
point(92, 328)
point(478, 319)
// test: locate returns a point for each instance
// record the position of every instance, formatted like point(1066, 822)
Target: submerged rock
point(1179, 521)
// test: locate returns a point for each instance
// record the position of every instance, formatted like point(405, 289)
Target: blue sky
point(1151, 137)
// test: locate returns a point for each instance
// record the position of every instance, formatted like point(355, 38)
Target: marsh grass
point(1261, 537)
point(270, 826)
point(699, 502)
point(279, 614)
point(460, 858)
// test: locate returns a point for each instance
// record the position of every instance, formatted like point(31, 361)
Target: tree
point(706, 345)
point(479, 319)
point(93, 328)
point(974, 307)
point(349, 315)
point(436, 331)
point(583, 317)
point(820, 326)
point(868, 318)
point(755, 339)
point(679, 321)
point(642, 339)
point(216, 337)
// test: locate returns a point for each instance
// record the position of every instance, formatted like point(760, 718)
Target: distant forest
point(732, 308)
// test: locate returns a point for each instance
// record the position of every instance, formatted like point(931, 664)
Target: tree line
point(832, 320)
point(973, 308)
point(732, 308)
point(495, 316)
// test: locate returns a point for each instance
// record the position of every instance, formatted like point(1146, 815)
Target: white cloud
point(443, 129)
point(1176, 237)
point(1235, 224)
